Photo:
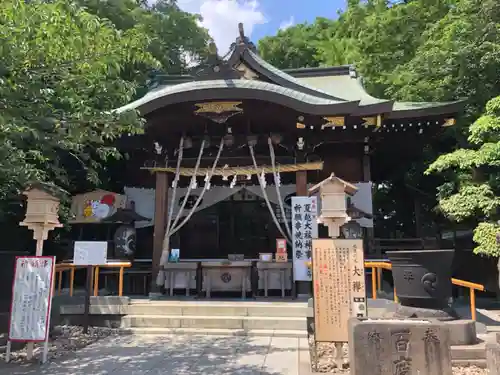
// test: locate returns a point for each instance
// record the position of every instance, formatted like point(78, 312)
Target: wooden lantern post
point(333, 192)
point(42, 212)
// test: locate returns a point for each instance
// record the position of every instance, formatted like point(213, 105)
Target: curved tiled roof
point(241, 89)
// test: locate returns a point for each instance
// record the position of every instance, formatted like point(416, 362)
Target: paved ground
point(180, 355)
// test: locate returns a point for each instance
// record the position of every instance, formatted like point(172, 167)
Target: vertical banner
point(304, 229)
point(338, 286)
point(31, 298)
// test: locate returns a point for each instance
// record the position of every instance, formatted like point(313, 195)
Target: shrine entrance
point(233, 226)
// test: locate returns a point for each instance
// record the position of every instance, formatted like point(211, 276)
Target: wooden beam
point(244, 170)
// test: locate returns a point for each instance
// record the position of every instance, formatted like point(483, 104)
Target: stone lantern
point(42, 211)
point(333, 193)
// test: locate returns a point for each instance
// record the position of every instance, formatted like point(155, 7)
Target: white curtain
point(145, 199)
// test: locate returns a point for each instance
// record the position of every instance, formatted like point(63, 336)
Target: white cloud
point(288, 23)
point(221, 18)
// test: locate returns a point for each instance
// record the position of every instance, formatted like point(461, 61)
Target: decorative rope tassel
point(207, 182)
point(233, 182)
point(194, 183)
point(174, 182)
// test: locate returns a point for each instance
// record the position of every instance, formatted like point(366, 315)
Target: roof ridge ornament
point(242, 40)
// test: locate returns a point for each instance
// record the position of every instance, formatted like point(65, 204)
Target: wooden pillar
point(367, 176)
point(161, 209)
point(301, 183)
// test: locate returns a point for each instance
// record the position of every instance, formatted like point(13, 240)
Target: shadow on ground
point(193, 355)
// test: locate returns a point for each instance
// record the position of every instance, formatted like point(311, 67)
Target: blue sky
point(282, 13)
point(260, 17)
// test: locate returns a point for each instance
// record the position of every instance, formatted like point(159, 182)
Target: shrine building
point(227, 147)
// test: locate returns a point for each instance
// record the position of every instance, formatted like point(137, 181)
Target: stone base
point(387, 347)
point(407, 312)
point(462, 332)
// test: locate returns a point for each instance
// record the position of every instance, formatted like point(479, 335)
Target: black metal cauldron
point(422, 278)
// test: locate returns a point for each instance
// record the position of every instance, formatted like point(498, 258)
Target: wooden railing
point(63, 267)
point(377, 267)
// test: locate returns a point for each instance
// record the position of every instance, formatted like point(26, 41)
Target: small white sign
point(304, 230)
point(90, 253)
point(31, 298)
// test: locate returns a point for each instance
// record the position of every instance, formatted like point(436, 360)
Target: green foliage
point(418, 50)
point(61, 75)
point(176, 39)
point(475, 193)
point(485, 236)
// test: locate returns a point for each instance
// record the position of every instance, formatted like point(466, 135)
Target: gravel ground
point(63, 341)
point(326, 356)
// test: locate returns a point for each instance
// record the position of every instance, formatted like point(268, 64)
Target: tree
point(474, 190)
point(176, 40)
point(60, 79)
point(295, 47)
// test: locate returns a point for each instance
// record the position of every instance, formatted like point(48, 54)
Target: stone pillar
point(161, 209)
point(388, 347)
point(493, 357)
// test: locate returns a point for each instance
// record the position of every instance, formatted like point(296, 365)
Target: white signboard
point(31, 298)
point(90, 253)
point(304, 229)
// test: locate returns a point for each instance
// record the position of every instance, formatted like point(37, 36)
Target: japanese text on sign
point(339, 287)
point(31, 297)
point(304, 230)
point(90, 253)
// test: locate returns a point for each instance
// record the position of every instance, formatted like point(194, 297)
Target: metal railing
point(62, 267)
point(378, 266)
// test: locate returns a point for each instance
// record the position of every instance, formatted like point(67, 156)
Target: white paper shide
point(304, 229)
point(32, 292)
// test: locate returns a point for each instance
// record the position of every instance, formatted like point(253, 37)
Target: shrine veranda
point(243, 126)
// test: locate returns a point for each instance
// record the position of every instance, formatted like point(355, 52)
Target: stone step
point(218, 332)
point(216, 308)
point(481, 363)
point(217, 322)
point(469, 352)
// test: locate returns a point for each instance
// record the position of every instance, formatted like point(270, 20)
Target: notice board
point(31, 298)
point(338, 286)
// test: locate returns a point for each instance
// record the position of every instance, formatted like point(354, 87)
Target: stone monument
point(398, 347)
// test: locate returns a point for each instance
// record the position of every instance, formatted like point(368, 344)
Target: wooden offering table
point(275, 276)
point(180, 275)
point(227, 276)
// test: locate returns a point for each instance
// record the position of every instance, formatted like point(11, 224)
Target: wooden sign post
point(32, 290)
point(339, 289)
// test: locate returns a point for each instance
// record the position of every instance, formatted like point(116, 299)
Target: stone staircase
point(284, 319)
